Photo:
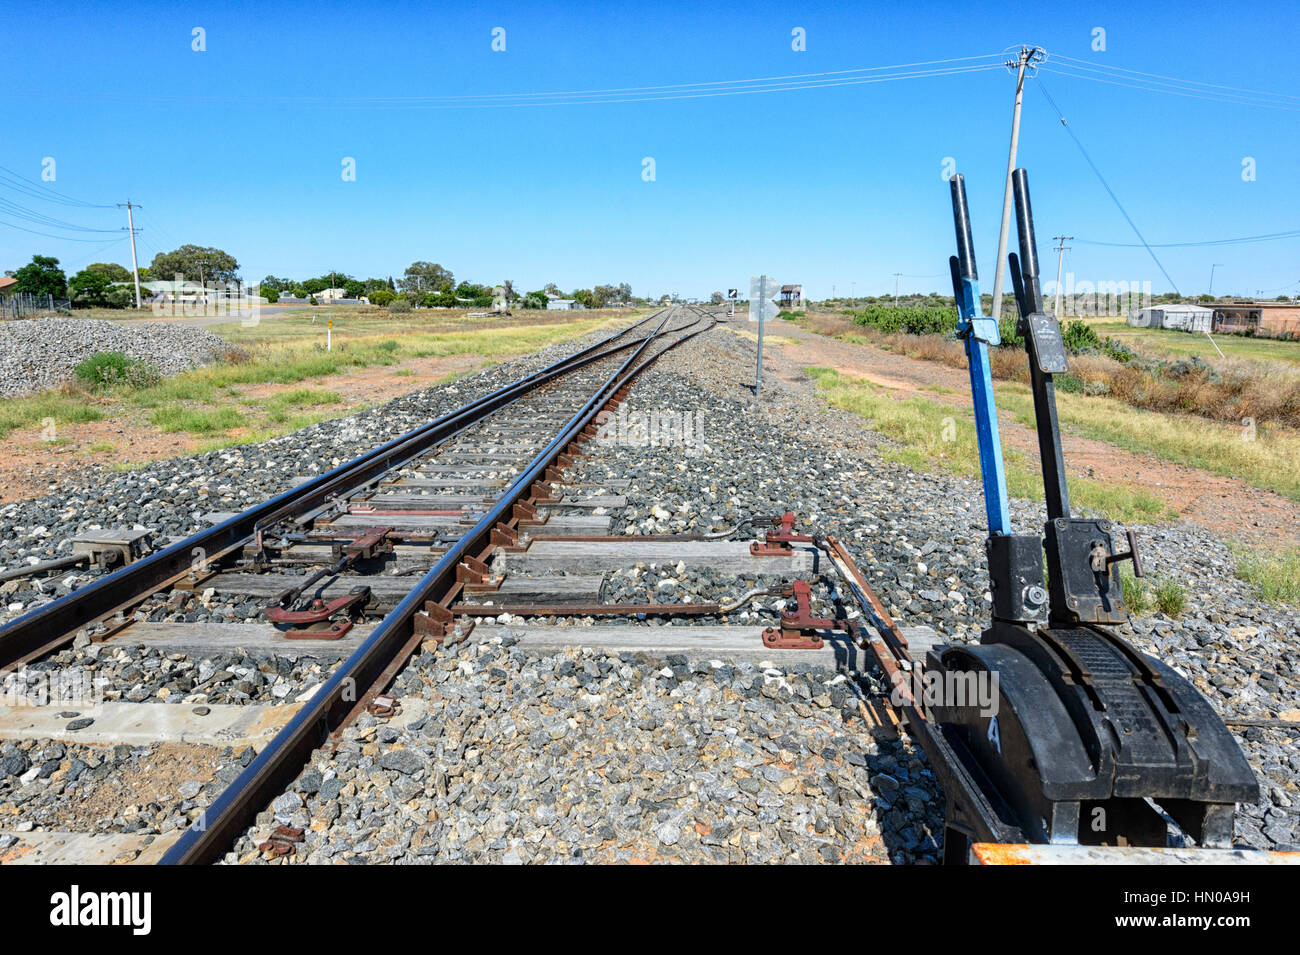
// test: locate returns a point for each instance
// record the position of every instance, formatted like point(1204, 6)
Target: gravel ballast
point(41, 353)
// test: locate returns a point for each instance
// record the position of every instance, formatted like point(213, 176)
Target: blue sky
point(240, 146)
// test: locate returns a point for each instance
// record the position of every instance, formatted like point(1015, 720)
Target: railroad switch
point(112, 549)
point(777, 542)
point(1054, 729)
point(799, 630)
point(314, 622)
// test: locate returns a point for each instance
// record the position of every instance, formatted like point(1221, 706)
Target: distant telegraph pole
point(896, 275)
point(130, 227)
point(1060, 257)
point(1028, 57)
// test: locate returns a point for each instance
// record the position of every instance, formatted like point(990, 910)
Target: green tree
point(354, 289)
point(381, 296)
point(584, 297)
point(89, 289)
point(115, 272)
point(424, 277)
point(535, 299)
point(42, 276)
point(272, 295)
point(194, 263)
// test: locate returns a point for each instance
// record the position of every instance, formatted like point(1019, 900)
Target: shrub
point(1007, 331)
point(400, 305)
point(1079, 336)
point(913, 320)
point(107, 368)
point(382, 297)
point(271, 295)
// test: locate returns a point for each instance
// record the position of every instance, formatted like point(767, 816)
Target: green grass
point(1170, 598)
point(1183, 344)
point(1276, 574)
point(196, 420)
point(930, 434)
point(64, 408)
point(291, 350)
point(1271, 461)
point(101, 447)
point(1137, 596)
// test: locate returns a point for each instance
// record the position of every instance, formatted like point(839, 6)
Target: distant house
point(791, 297)
point(563, 304)
point(327, 295)
point(1271, 319)
point(7, 283)
point(1180, 317)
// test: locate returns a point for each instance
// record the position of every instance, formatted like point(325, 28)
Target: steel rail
point(281, 760)
point(50, 626)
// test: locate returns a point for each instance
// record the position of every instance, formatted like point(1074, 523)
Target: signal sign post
point(761, 308)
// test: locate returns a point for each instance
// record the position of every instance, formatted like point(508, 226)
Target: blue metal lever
point(979, 332)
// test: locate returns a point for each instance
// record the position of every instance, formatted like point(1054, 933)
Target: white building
point(1181, 317)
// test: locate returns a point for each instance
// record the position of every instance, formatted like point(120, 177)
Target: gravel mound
point(40, 353)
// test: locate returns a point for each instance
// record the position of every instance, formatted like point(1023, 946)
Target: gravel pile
point(40, 353)
point(586, 757)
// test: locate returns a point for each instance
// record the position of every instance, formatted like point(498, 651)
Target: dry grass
point(1228, 390)
point(1137, 412)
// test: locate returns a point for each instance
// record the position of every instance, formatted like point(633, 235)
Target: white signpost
point(762, 308)
point(732, 294)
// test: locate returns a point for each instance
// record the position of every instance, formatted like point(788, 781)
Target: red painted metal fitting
point(777, 542)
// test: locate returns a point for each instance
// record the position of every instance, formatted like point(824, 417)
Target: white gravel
point(41, 353)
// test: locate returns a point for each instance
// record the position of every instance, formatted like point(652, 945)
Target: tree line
point(422, 284)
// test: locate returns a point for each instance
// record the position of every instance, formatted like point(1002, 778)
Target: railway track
point(365, 558)
point(388, 618)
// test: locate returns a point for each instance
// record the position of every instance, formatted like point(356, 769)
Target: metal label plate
point(1048, 346)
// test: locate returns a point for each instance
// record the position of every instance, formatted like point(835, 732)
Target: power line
point(776, 84)
point(31, 187)
point(22, 213)
point(1089, 65)
point(1266, 237)
point(61, 238)
point(1109, 191)
point(1151, 87)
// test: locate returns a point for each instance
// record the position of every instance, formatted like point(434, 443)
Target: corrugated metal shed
point(1180, 317)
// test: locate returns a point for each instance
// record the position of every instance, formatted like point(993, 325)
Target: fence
point(22, 304)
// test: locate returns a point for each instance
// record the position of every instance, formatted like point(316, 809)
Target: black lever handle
point(1132, 555)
